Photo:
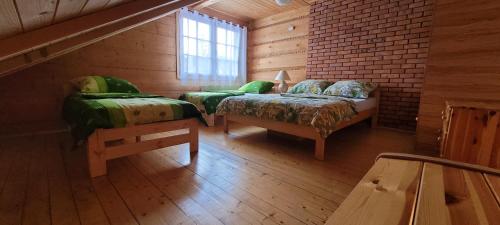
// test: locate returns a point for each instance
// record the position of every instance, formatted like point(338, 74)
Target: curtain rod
point(215, 18)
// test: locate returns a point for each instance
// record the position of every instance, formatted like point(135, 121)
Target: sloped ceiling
point(19, 16)
point(35, 38)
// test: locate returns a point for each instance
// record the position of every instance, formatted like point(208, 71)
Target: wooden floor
point(241, 178)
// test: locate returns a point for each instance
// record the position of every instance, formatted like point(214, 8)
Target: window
point(211, 52)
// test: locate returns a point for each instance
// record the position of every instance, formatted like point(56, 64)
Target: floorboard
point(37, 207)
point(245, 177)
point(87, 203)
point(13, 194)
point(62, 203)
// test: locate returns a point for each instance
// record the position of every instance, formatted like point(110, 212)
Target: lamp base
point(283, 87)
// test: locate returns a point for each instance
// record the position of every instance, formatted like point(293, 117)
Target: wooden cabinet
point(471, 133)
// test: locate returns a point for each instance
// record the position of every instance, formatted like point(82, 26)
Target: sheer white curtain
point(212, 53)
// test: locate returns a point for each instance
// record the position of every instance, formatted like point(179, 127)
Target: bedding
point(320, 112)
point(360, 104)
point(103, 84)
point(350, 89)
point(258, 87)
point(309, 87)
point(207, 101)
point(86, 112)
point(365, 104)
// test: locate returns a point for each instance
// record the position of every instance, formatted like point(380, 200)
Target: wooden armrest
point(441, 161)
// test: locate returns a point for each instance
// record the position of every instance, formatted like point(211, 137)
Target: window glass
point(221, 35)
point(203, 31)
point(191, 31)
point(230, 38)
point(204, 49)
point(221, 51)
point(208, 47)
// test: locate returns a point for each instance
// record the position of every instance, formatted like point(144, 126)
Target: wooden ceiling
point(19, 16)
point(248, 10)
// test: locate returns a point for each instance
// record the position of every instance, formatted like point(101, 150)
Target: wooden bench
point(407, 189)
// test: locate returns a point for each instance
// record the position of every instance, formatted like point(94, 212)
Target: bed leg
point(374, 120)
point(226, 124)
point(193, 138)
point(319, 149)
point(95, 155)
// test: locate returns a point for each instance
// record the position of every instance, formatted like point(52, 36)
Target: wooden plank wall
point(145, 55)
point(272, 47)
point(464, 61)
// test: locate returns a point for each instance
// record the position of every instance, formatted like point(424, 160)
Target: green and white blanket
point(207, 101)
point(86, 112)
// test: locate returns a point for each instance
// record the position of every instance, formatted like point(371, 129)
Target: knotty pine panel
point(68, 9)
point(464, 61)
point(35, 13)
point(272, 47)
point(248, 10)
point(280, 32)
point(278, 61)
point(279, 18)
point(296, 74)
point(292, 46)
point(9, 20)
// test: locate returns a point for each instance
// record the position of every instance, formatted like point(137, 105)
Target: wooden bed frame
point(306, 131)
point(130, 142)
point(106, 144)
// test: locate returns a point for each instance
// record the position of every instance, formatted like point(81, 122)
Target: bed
point(113, 124)
point(309, 116)
point(207, 101)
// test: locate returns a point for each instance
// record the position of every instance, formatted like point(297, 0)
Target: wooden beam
point(51, 50)
point(29, 41)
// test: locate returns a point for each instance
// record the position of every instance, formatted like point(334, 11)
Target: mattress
point(360, 104)
point(364, 104)
point(320, 112)
point(207, 102)
point(86, 112)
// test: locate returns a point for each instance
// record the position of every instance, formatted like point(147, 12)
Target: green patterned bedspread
point(207, 101)
point(322, 113)
point(87, 112)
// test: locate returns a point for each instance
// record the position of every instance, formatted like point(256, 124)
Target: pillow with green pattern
point(309, 87)
point(351, 89)
point(257, 86)
point(104, 84)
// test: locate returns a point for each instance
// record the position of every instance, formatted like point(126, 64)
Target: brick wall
point(383, 41)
